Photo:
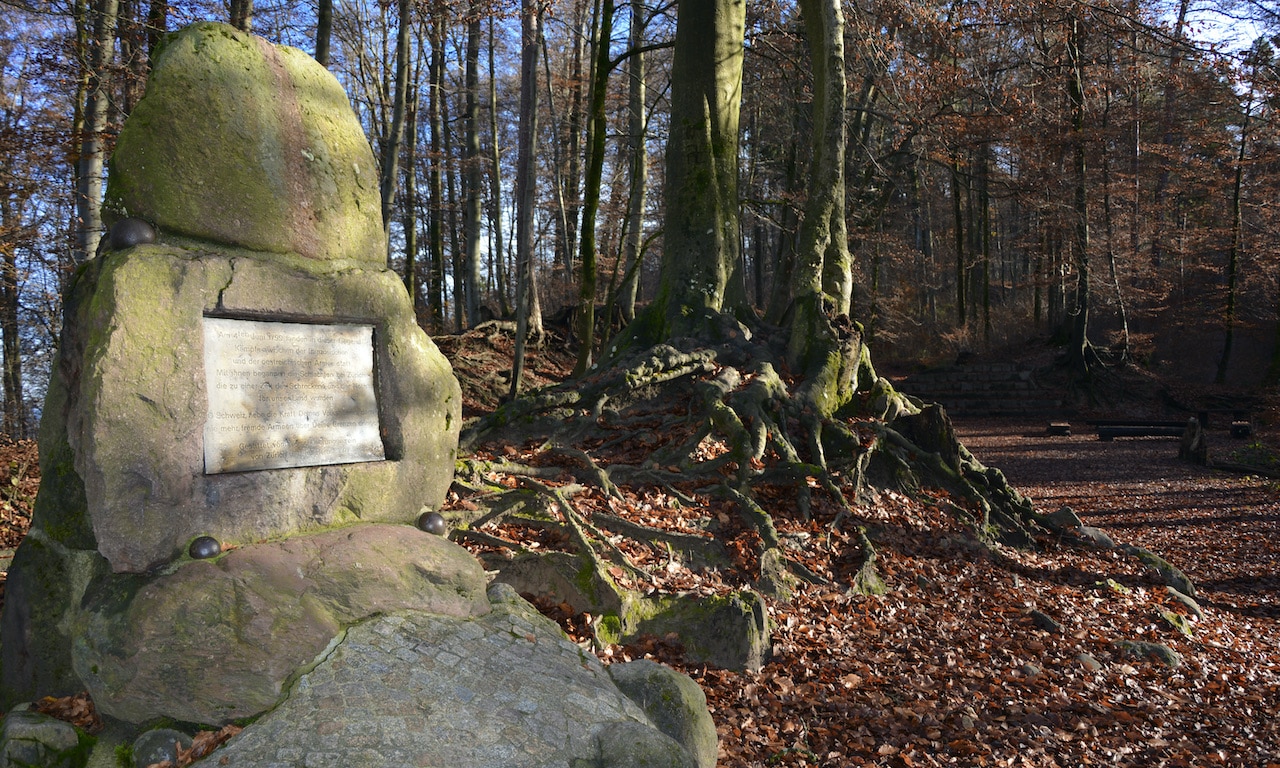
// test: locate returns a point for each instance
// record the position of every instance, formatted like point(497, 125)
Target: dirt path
point(1222, 529)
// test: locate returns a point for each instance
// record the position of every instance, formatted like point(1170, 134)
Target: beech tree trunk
point(639, 164)
point(1078, 349)
point(527, 312)
point(471, 205)
point(701, 262)
point(242, 15)
point(495, 186)
point(821, 285)
point(591, 195)
point(101, 44)
point(324, 31)
point(395, 135)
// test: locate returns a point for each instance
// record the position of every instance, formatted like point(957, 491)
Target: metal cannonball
point(204, 547)
point(129, 232)
point(432, 522)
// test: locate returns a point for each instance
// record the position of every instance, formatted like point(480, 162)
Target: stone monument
point(243, 421)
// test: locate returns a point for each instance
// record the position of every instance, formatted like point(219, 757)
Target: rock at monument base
point(30, 739)
point(45, 585)
point(214, 641)
point(505, 690)
point(675, 704)
point(730, 631)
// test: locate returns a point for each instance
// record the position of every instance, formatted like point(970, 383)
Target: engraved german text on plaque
point(288, 395)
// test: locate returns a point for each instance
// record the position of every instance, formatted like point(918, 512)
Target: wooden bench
point(1241, 420)
point(1109, 429)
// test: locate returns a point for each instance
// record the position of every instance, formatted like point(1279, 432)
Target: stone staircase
point(983, 389)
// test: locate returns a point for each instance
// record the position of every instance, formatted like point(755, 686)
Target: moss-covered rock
point(29, 739)
point(246, 143)
point(133, 390)
point(675, 704)
point(217, 640)
point(45, 585)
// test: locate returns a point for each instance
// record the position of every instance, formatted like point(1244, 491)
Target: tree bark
point(586, 318)
point(324, 31)
point(409, 218)
point(92, 146)
point(472, 207)
point(1078, 349)
point(821, 284)
point(526, 287)
point(701, 261)
point(242, 15)
point(495, 185)
point(15, 415)
point(639, 163)
point(395, 136)
point(435, 178)
point(1233, 253)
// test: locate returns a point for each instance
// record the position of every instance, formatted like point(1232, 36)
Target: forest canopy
point(1097, 171)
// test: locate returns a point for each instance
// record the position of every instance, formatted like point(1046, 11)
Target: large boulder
point(215, 641)
point(129, 395)
point(501, 690)
point(242, 142)
point(261, 205)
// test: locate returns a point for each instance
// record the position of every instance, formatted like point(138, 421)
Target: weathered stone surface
point(675, 704)
point(158, 745)
point(43, 591)
point(28, 738)
point(131, 385)
point(250, 144)
point(213, 641)
point(506, 690)
point(730, 631)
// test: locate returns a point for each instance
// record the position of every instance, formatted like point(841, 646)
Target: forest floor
point(977, 655)
point(954, 664)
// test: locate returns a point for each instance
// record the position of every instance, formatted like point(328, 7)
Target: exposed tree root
point(723, 418)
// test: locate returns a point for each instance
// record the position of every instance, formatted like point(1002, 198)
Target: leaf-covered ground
point(977, 655)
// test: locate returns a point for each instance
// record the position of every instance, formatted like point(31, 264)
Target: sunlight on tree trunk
point(92, 152)
point(526, 164)
point(701, 260)
point(586, 316)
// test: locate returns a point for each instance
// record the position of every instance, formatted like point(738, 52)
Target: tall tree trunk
point(1109, 232)
point(821, 284)
point(409, 218)
point(472, 203)
point(1233, 253)
point(495, 185)
point(701, 264)
point(451, 211)
point(1079, 352)
point(242, 15)
point(324, 30)
point(957, 211)
point(157, 24)
point(526, 162)
point(395, 136)
point(92, 146)
point(435, 178)
point(1176, 54)
point(133, 53)
point(583, 28)
point(591, 195)
point(15, 415)
point(639, 163)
